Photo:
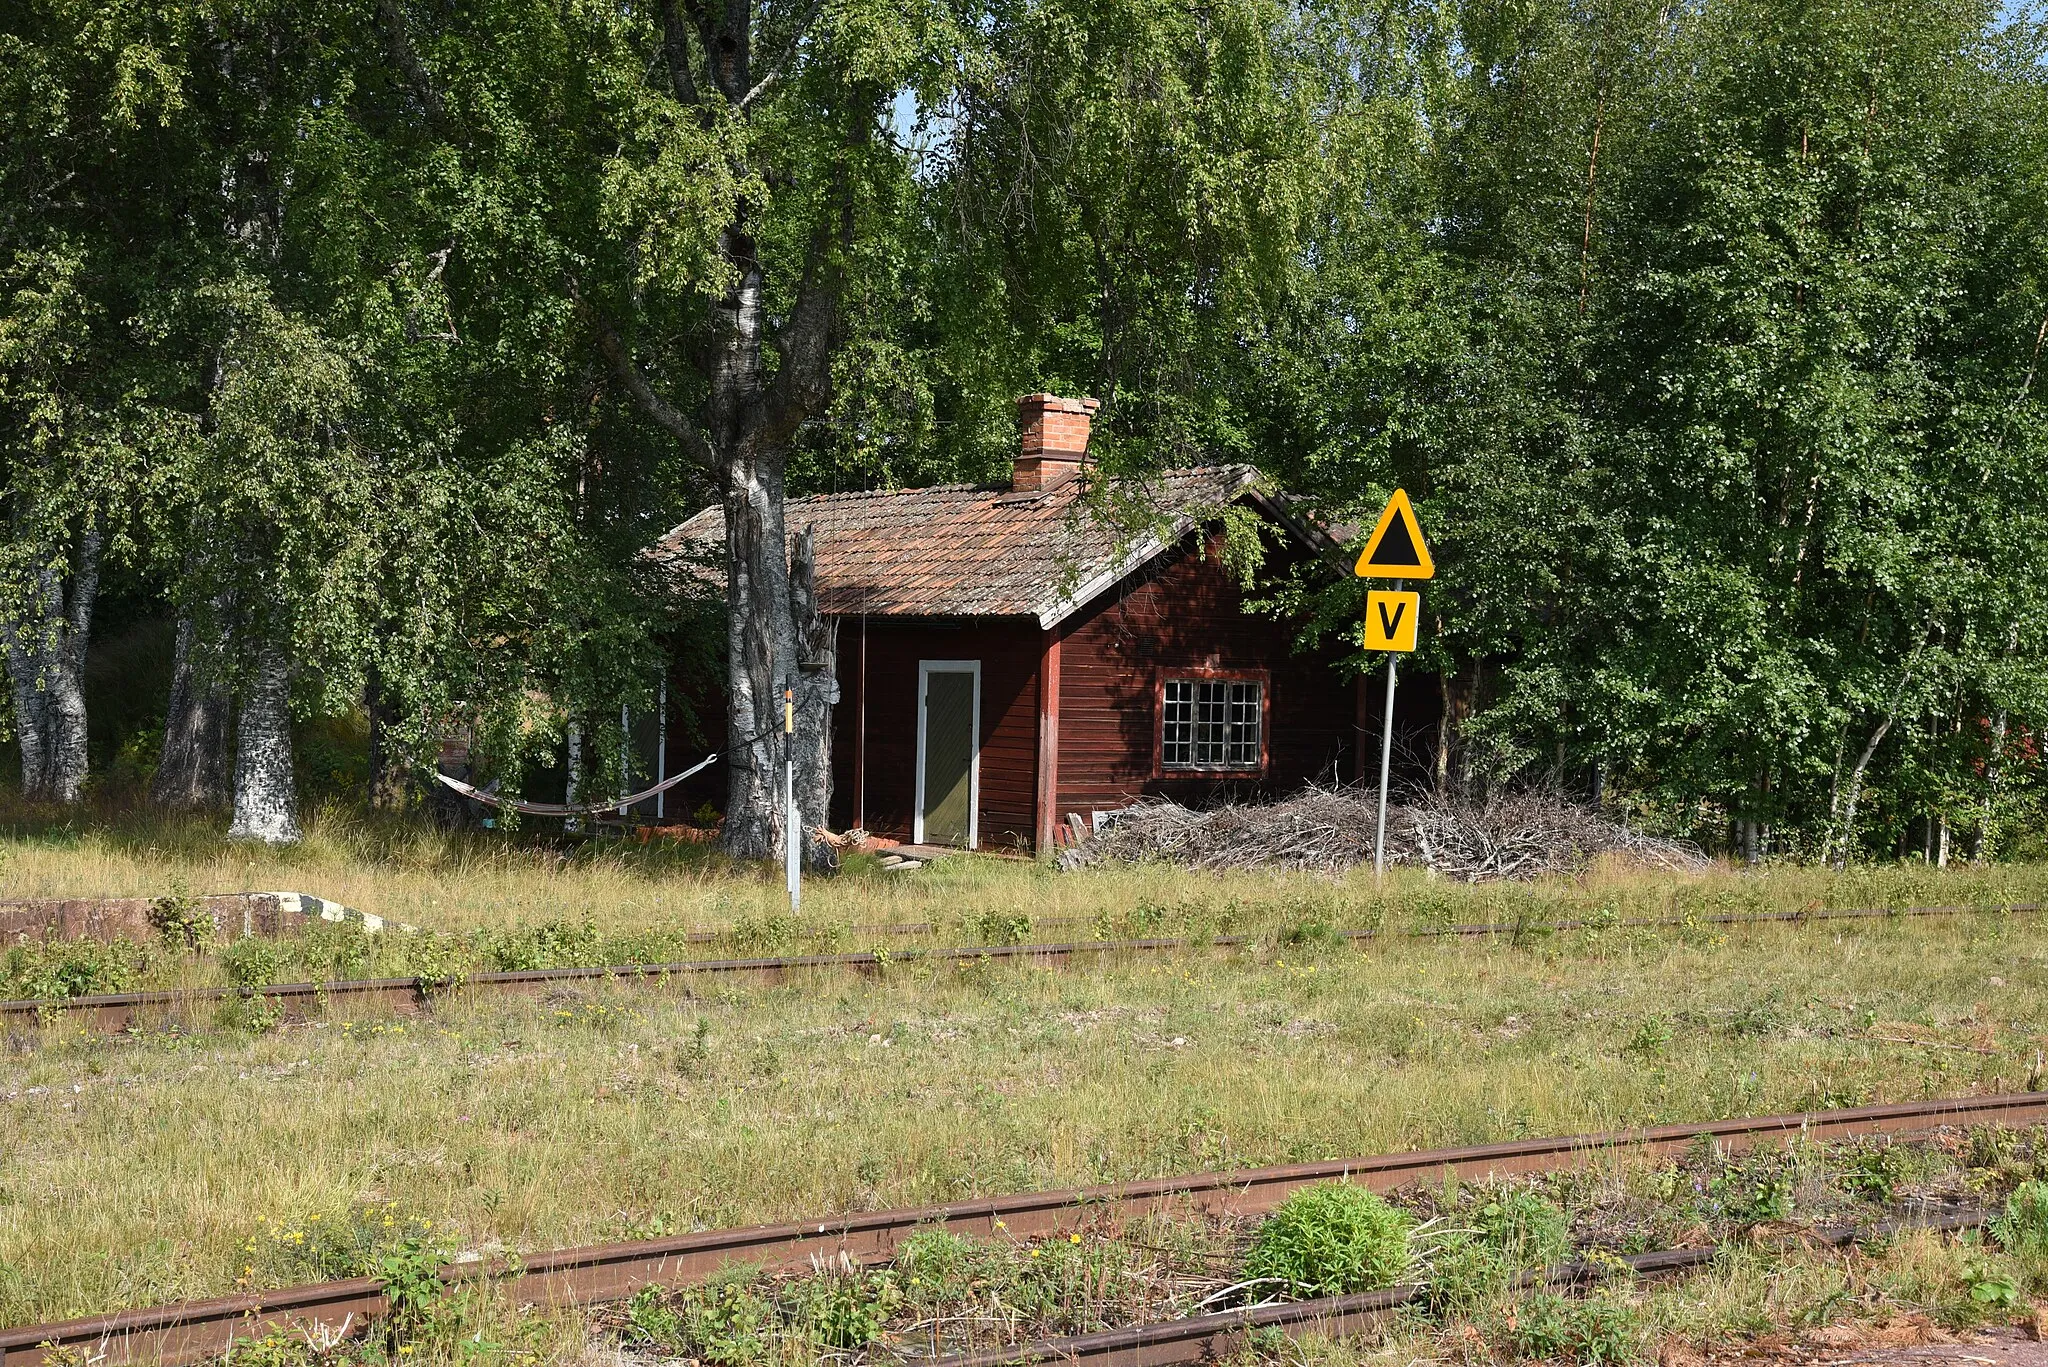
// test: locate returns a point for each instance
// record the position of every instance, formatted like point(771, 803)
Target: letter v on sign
point(1390, 619)
point(1395, 549)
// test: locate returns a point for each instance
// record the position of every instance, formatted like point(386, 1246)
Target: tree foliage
point(380, 339)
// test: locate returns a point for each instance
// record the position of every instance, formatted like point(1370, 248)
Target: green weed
point(1598, 1331)
point(62, 969)
point(253, 962)
point(2022, 1228)
point(1000, 928)
point(1332, 1239)
point(177, 919)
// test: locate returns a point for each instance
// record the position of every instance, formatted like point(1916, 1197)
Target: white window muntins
point(1210, 724)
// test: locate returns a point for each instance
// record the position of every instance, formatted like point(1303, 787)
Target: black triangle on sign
point(1396, 549)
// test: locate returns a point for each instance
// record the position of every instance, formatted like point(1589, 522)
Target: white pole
point(625, 754)
point(793, 831)
point(661, 750)
point(1379, 848)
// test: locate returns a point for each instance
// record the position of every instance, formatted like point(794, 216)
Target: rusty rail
point(115, 1012)
point(194, 1331)
point(1219, 1337)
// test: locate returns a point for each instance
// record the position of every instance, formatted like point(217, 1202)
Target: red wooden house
point(1008, 658)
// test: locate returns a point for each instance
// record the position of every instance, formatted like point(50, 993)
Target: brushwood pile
point(1330, 829)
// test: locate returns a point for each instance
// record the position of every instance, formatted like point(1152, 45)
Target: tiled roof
point(966, 550)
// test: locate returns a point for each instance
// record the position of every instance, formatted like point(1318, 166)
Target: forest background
point(350, 354)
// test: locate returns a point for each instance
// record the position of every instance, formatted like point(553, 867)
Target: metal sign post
point(1395, 550)
point(793, 829)
point(1379, 844)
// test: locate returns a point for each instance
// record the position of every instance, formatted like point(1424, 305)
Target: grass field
point(140, 1170)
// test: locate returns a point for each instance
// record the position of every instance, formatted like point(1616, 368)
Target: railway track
point(113, 1013)
point(195, 1331)
point(1217, 1337)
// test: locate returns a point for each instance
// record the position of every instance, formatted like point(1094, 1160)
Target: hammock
point(513, 804)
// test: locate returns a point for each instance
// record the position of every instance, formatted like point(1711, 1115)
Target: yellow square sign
point(1390, 620)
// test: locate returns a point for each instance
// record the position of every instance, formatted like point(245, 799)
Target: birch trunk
point(46, 670)
point(266, 797)
point(817, 688)
point(1993, 767)
point(1847, 834)
point(742, 435)
point(572, 783)
point(760, 646)
point(193, 768)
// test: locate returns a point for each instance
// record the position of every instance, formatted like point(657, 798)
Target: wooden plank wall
point(1008, 652)
point(1184, 612)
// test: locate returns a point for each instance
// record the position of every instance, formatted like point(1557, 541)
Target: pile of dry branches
point(1328, 830)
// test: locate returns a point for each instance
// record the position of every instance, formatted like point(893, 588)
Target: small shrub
point(1317, 930)
point(178, 921)
point(1463, 1271)
point(694, 1059)
point(1146, 918)
point(848, 1312)
point(1992, 1291)
point(551, 944)
point(252, 962)
point(728, 1323)
point(650, 1318)
point(1332, 1239)
point(256, 1013)
point(1650, 1039)
point(1540, 1327)
point(934, 1265)
point(411, 1272)
point(779, 934)
point(1875, 1171)
point(333, 951)
point(1001, 927)
point(436, 962)
point(1752, 1192)
point(1600, 1331)
point(1511, 1229)
point(330, 1245)
point(1527, 1229)
point(63, 969)
point(1757, 1020)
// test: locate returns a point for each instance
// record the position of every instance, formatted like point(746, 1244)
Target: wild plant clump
point(2022, 1230)
point(1331, 1240)
point(62, 969)
point(1596, 1332)
point(1503, 1232)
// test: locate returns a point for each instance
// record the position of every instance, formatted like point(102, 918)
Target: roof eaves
point(1066, 605)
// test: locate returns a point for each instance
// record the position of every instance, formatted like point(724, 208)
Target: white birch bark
point(45, 656)
point(817, 686)
point(760, 646)
point(266, 795)
point(572, 788)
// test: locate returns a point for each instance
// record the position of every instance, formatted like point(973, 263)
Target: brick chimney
point(1054, 440)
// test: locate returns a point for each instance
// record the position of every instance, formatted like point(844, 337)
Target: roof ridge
point(851, 494)
point(971, 486)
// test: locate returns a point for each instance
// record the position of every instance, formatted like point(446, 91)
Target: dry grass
point(135, 1171)
point(411, 874)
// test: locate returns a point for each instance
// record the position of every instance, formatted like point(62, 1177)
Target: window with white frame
point(1210, 724)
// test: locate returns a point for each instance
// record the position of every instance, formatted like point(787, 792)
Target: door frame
point(925, 669)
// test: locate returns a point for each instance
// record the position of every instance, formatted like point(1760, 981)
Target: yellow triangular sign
point(1395, 550)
